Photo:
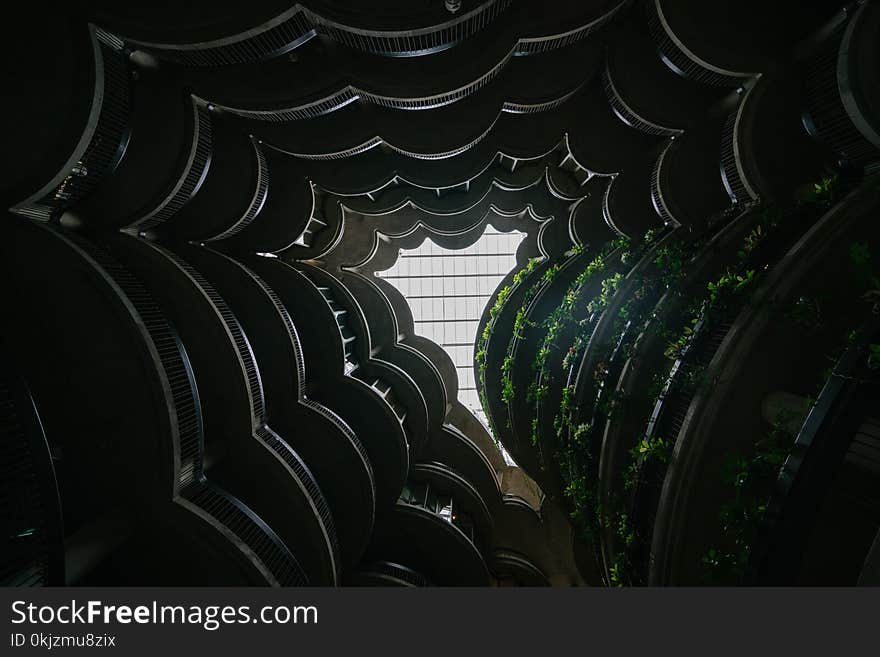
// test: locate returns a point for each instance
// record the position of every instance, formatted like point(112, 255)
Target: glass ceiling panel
point(448, 289)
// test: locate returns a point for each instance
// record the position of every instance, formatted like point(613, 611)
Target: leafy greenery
point(671, 260)
point(520, 323)
point(676, 348)
point(648, 451)
point(750, 479)
point(494, 311)
point(825, 191)
point(728, 285)
point(506, 382)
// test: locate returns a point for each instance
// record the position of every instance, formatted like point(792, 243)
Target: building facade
point(223, 224)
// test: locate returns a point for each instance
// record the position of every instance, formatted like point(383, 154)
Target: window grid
point(448, 289)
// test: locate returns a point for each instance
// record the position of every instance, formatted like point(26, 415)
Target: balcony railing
point(257, 201)
point(733, 173)
point(657, 197)
point(299, 24)
point(190, 179)
point(626, 113)
point(680, 59)
point(103, 142)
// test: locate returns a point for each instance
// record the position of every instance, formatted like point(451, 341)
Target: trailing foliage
point(648, 451)
point(482, 342)
point(520, 323)
point(574, 451)
point(750, 479)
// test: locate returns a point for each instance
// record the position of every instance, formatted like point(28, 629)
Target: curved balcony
point(455, 448)
point(679, 58)
point(381, 31)
point(761, 353)
point(497, 326)
point(587, 224)
point(165, 163)
point(544, 537)
point(566, 328)
point(598, 139)
point(366, 247)
point(434, 353)
point(327, 445)
point(841, 83)
point(122, 336)
point(765, 151)
point(392, 384)
point(373, 420)
point(372, 171)
point(233, 403)
point(733, 175)
point(643, 91)
point(685, 186)
point(475, 123)
point(658, 198)
point(727, 43)
point(384, 323)
point(440, 527)
point(384, 573)
point(468, 513)
point(632, 379)
point(526, 340)
point(95, 128)
point(628, 207)
point(403, 205)
point(556, 25)
point(357, 128)
point(388, 31)
point(323, 78)
point(189, 178)
point(594, 360)
point(284, 215)
point(626, 113)
point(820, 522)
point(512, 569)
point(95, 469)
point(33, 546)
point(230, 197)
point(326, 221)
point(376, 172)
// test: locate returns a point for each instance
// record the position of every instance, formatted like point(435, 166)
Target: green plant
point(728, 285)
point(676, 348)
point(581, 432)
point(750, 479)
point(672, 262)
point(609, 287)
point(755, 237)
point(874, 356)
point(648, 450)
point(533, 437)
point(506, 381)
point(824, 192)
point(619, 569)
point(653, 449)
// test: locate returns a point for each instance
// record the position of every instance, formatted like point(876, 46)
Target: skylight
point(448, 289)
